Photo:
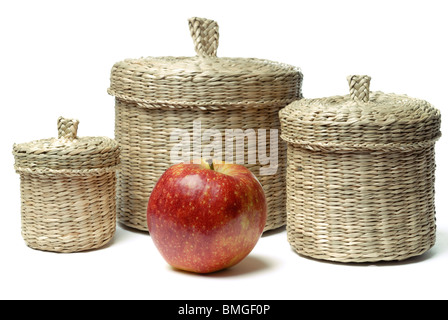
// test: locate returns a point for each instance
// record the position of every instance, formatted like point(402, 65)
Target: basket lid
point(68, 154)
point(362, 120)
point(204, 80)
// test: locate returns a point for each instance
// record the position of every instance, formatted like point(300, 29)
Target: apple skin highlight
point(204, 218)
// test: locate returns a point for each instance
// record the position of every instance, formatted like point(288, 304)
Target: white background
point(56, 58)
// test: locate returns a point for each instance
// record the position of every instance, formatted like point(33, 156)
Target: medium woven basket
point(360, 177)
point(67, 187)
point(156, 96)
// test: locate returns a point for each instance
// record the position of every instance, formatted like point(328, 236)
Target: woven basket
point(360, 177)
point(67, 190)
point(156, 96)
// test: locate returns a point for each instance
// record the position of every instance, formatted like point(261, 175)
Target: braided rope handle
point(67, 128)
point(359, 87)
point(205, 36)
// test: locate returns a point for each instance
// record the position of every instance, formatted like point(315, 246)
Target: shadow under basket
point(67, 187)
point(360, 175)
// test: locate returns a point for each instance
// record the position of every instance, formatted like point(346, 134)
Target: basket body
point(144, 136)
point(360, 176)
point(156, 96)
point(360, 206)
point(68, 190)
point(67, 213)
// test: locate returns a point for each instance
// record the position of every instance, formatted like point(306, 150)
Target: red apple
point(206, 217)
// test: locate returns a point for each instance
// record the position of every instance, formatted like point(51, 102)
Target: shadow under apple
point(249, 265)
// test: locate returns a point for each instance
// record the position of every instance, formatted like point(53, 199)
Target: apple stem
point(210, 163)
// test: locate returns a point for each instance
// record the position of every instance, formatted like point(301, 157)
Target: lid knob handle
point(359, 87)
point(67, 128)
point(205, 36)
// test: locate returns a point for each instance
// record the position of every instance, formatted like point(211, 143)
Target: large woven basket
point(197, 96)
point(67, 190)
point(360, 177)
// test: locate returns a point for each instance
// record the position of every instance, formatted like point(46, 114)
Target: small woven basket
point(67, 188)
point(360, 177)
point(156, 96)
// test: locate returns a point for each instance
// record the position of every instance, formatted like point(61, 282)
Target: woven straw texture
point(67, 190)
point(360, 175)
point(156, 95)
